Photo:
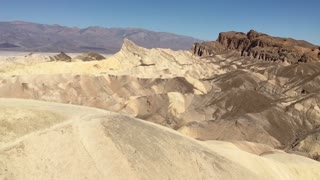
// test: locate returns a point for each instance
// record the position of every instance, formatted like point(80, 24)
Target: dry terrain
point(226, 114)
point(56, 141)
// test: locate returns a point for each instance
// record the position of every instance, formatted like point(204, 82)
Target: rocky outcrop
point(207, 48)
point(91, 56)
point(260, 46)
point(61, 57)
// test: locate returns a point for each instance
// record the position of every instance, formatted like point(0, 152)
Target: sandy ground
point(87, 143)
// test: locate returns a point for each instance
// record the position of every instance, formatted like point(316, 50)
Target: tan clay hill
point(41, 140)
point(221, 95)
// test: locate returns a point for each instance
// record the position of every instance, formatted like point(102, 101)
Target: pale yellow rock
point(177, 103)
point(131, 60)
point(90, 143)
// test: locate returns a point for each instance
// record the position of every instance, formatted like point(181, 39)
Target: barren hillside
point(60, 141)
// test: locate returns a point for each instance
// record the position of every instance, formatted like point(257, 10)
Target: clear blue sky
point(202, 19)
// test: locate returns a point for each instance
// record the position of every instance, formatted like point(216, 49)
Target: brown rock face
point(207, 48)
point(61, 57)
point(260, 46)
point(91, 56)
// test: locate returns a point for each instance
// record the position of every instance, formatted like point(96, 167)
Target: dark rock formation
point(91, 56)
point(61, 57)
point(207, 48)
point(260, 46)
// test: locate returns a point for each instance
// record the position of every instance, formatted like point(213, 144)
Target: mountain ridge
point(36, 37)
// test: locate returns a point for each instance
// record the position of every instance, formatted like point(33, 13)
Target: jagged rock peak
point(130, 47)
point(129, 44)
point(254, 34)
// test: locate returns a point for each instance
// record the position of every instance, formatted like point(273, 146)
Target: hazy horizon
point(203, 19)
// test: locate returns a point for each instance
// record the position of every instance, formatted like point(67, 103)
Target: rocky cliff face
point(260, 46)
point(207, 48)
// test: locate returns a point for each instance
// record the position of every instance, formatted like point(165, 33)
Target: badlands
point(243, 107)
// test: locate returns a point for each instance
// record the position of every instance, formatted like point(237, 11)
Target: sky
point(202, 19)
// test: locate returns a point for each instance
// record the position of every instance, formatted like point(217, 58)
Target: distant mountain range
point(26, 36)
